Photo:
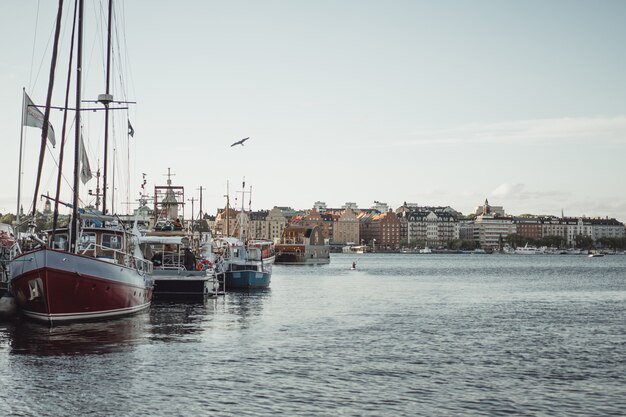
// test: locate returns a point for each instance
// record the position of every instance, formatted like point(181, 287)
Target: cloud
point(598, 129)
point(518, 192)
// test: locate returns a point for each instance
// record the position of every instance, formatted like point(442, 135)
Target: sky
point(429, 102)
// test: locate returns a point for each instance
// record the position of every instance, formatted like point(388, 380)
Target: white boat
point(176, 271)
point(426, 250)
point(527, 250)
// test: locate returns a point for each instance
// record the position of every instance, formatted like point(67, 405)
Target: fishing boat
point(92, 269)
point(240, 265)
point(176, 270)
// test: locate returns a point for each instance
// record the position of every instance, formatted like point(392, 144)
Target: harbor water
point(401, 335)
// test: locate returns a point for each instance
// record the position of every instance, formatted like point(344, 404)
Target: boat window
point(87, 239)
point(60, 242)
point(111, 241)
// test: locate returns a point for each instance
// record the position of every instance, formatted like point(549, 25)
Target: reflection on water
point(26, 337)
point(168, 320)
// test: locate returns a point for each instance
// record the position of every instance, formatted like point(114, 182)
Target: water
point(402, 335)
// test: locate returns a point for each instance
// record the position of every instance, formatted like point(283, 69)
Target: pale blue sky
point(433, 102)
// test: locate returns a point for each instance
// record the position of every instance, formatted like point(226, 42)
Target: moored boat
point(242, 266)
point(102, 279)
point(301, 245)
point(93, 269)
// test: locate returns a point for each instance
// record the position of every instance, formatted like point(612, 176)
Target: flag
point(33, 117)
point(131, 131)
point(85, 170)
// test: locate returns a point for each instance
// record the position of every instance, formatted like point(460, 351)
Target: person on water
point(353, 265)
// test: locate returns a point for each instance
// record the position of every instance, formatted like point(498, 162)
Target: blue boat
point(242, 266)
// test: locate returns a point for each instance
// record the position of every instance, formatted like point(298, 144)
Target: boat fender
point(203, 265)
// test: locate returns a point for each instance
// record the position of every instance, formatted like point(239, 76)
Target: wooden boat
point(94, 268)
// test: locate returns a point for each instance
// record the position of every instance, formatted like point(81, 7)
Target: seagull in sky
point(239, 142)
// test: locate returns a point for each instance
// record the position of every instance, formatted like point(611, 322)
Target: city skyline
point(435, 103)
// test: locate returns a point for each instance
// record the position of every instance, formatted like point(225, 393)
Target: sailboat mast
point(79, 64)
point(46, 115)
point(19, 170)
point(227, 210)
point(55, 216)
point(106, 100)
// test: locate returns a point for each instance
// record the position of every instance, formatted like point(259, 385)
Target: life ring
point(203, 265)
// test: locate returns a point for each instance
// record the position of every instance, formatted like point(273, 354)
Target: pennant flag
point(85, 170)
point(33, 117)
point(131, 131)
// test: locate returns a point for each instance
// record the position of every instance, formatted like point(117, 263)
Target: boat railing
point(118, 257)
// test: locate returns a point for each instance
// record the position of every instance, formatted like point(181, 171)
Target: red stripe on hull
point(52, 295)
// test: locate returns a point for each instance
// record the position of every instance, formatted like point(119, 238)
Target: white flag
point(34, 117)
point(85, 170)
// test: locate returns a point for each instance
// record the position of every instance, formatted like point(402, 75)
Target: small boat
point(595, 255)
point(176, 272)
point(426, 250)
point(240, 265)
point(527, 250)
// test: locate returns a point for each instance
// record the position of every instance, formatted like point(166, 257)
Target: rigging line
point(98, 37)
point(123, 64)
point(116, 52)
point(41, 62)
point(32, 57)
point(101, 19)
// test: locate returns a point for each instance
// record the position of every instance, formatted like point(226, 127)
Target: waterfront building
point(466, 229)
point(258, 225)
point(578, 227)
point(490, 230)
point(529, 226)
point(346, 228)
point(554, 226)
point(328, 223)
point(276, 223)
point(606, 228)
point(381, 229)
point(432, 229)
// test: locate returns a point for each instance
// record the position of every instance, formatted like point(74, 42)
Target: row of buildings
point(412, 225)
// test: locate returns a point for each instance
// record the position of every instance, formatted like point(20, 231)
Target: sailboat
point(92, 269)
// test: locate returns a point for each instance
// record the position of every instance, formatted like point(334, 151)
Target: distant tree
point(461, 244)
point(516, 240)
point(552, 241)
point(583, 242)
point(8, 218)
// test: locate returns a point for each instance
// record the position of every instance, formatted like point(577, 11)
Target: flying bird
point(239, 142)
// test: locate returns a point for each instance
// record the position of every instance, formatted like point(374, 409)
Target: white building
point(431, 229)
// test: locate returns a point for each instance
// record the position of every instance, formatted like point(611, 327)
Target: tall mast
point(106, 99)
point(79, 64)
point(227, 210)
point(46, 116)
point(19, 170)
point(55, 217)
